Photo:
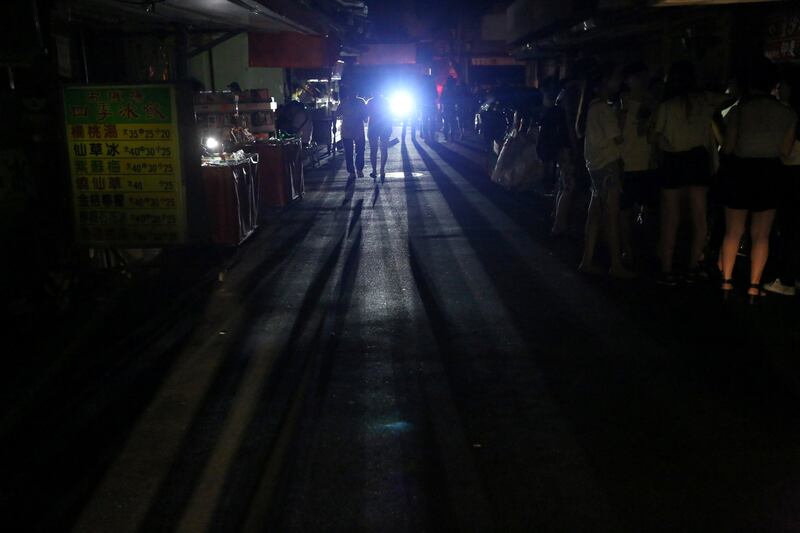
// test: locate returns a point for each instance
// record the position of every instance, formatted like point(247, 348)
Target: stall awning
point(198, 14)
point(292, 50)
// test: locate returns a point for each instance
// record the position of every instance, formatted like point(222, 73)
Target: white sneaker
point(779, 288)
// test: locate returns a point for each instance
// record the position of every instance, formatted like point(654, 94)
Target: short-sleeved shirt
point(683, 127)
point(761, 125)
point(602, 128)
point(636, 150)
point(353, 112)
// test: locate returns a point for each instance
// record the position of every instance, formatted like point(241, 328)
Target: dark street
point(415, 353)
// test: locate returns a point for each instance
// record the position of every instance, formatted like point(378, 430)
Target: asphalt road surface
point(415, 354)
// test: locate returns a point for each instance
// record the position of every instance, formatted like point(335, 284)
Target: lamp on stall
point(211, 145)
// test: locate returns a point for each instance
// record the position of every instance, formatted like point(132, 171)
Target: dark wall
point(105, 56)
point(19, 39)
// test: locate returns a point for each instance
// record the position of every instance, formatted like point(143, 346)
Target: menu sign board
point(125, 165)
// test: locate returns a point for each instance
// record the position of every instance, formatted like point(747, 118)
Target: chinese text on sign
point(125, 165)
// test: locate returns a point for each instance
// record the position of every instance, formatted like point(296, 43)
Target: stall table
point(231, 193)
point(280, 172)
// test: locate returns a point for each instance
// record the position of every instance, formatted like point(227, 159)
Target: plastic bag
point(519, 167)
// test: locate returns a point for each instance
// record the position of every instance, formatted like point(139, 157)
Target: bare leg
point(373, 154)
point(670, 217)
point(734, 229)
point(760, 227)
point(384, 153)
point(593, 221)
point(697, 207)
point(348, 155)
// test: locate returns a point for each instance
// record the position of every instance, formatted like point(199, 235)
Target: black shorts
point(639, 188)
point(753, 183)
point(685, 169)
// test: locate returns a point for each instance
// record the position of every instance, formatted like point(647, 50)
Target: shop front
point(157, 165)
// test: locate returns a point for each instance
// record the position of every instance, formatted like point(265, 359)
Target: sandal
point(726, 287)
point(754, 298)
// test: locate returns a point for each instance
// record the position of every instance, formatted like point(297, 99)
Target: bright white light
point(212, 143)
point(401, 104)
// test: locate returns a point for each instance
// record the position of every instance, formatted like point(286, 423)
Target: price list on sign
point(125, 166)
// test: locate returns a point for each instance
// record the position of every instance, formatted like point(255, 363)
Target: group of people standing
point(459, 105)
point(654, 145)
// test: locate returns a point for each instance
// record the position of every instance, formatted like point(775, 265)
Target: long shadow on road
point(691, 318)
point(201, 437)
point(649, 411)
point(296, 359)
point(455, 507)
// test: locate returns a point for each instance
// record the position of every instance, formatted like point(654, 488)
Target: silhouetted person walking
point(380, 129)
point(353, 112)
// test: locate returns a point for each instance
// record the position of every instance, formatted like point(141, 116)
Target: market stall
point(147, 172)
point(231, 194)
point(280, 172)
point(229, 125)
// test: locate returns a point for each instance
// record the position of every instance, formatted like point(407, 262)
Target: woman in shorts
point(760, 130)
point(683, 132)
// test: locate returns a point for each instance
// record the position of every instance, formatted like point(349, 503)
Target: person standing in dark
point(602, 138)
point(760, 131)
point(427, 103)
point(682, 130)
point(493, 126)
point(466, 113)
point(639, 179)
point(552, 132)
point(450, 109)
point(571, 165)
point(787, 259)
point(415, 116)
point(353, 112)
